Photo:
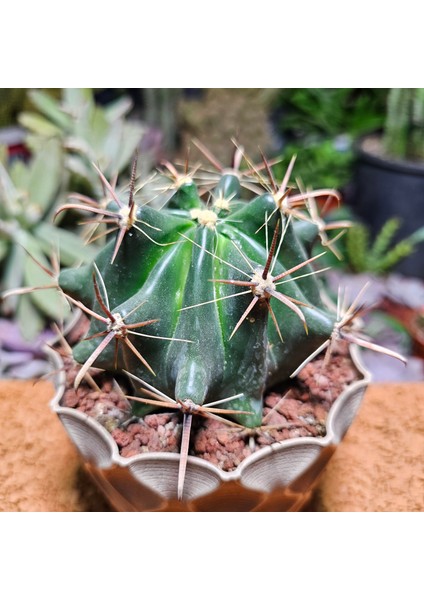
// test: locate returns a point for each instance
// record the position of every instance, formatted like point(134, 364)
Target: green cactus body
point(170, 273)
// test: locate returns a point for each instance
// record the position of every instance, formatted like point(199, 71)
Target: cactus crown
point(203, 304)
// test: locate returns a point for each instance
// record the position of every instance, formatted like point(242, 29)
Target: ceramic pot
point(280, 477)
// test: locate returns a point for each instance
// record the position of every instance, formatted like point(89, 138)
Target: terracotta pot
point(279, 477)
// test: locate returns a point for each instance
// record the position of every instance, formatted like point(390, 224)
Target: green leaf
point(38, 124)
point(29, 320)
point(12, 276)
point(13, 273)
point(72, 250)
point(75, 98)
point(8, 191)
point(118, 109)
point(19, 173)
point(96, 133)
point(48, 301)
point(51, 108)
point(131, 137)
point(417, 237)
point(46, 175)
point(79, 167)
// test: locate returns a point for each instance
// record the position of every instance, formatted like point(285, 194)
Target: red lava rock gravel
point(299, 411)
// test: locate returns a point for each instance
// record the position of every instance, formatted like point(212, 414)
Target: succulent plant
point(69, 139)
point(404, 127)
point(30, 194)
point(205, 304)
point(87, 132)
point(382, 254)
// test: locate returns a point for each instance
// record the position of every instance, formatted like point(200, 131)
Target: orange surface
point(40, 469)
point(378, 467)
point(380, 464)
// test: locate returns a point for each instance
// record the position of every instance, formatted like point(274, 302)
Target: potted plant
point(198, 317)
point(30, 193)
point(69, 132)
point(321, 124)
point(389, 177)
point(394, 302)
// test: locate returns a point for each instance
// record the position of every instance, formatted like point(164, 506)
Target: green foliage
point(315, 159)
point(308, 112)
point(87, 132)
point(404, 126)
point(381, 255)
point(321, 124)
point(29, 195)
point(68, 133)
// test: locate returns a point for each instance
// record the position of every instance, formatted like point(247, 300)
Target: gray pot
point(280, 477)
point(384, 188)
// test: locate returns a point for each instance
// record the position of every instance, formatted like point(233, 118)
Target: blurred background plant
point(87, 133)
point(381, 255)
point(388, 178)
point(321, 125)
point(404, 124)
point(360, 253)
point(393, 304)
point(30, 192)
point(66, 133)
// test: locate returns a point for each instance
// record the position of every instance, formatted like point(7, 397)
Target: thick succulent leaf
point(20, 173)
point(111, 149)
point(417, 237)
point(12, 276)
point(51, 108)
point(70, 247)
point(96, 134)
point(8, 192)
point(132, 133)
point(46, 175)
point(82, 126)
point(39, 125)
point(74, 99)
point(29, 319)
point(79, 166)
point(48, 301)
point(118, 109)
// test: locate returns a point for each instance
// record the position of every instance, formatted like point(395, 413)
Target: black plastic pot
point(383, 188)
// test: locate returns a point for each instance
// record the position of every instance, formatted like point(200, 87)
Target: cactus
point(404, 128)
point(205, 305)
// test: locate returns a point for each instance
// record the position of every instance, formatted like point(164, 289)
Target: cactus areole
point(221, 323)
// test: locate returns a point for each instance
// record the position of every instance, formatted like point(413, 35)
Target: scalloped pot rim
point(337, 425)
